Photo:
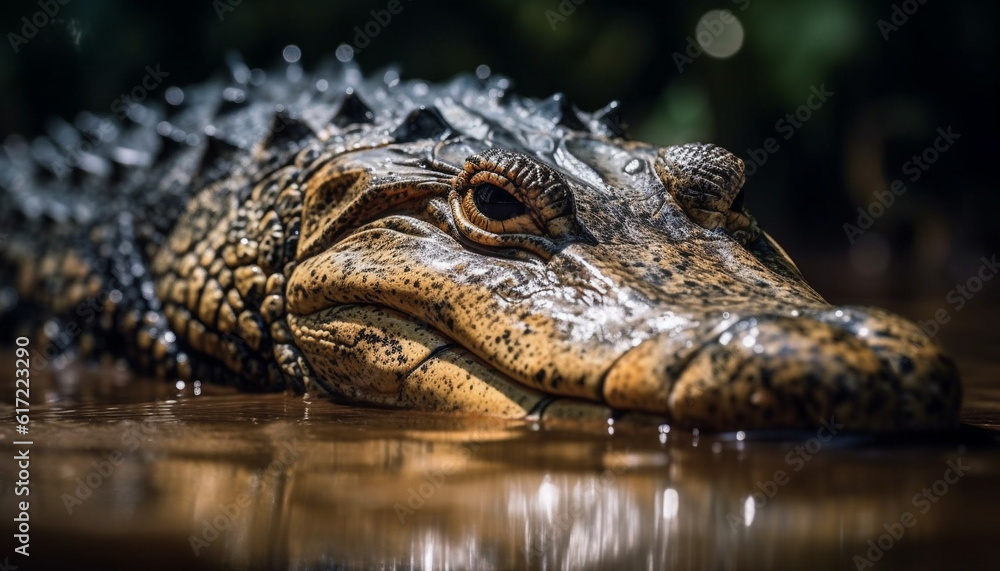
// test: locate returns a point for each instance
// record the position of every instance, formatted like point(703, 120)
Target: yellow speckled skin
point(457, 249)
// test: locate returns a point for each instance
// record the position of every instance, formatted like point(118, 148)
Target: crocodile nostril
point(737, 205)
point(783, 371)
point(866, 369)
point(926, 381)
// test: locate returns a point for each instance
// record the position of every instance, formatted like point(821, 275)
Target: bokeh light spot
point(719, 33)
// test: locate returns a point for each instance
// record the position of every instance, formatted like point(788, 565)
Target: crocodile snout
point(864, 368)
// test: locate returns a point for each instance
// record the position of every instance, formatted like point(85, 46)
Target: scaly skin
point(452, 248)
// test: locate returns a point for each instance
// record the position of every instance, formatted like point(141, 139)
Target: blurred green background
point(894, 84)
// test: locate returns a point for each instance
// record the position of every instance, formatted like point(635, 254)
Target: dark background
point(890, 97)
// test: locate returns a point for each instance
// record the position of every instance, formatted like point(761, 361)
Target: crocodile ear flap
point(326, 206)
point(705, 180)
point(344, 193)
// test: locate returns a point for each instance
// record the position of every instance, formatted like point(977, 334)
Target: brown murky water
point(131, 473)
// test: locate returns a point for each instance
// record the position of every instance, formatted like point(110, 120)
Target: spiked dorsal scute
point(286, 130)
point(560, 110)
point(353, 111)
point(608, 121)
point(422, 123)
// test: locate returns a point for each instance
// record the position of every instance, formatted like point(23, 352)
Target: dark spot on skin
point(905, 365)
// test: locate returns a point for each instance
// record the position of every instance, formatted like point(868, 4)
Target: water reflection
point(151, 473)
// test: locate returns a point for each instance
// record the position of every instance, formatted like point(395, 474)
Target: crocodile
point(447, 247)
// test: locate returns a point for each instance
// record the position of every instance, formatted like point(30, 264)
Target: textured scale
point(321, 235)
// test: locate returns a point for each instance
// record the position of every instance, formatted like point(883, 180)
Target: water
point(130, 473)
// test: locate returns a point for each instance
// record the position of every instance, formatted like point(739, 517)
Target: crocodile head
point(473, 262)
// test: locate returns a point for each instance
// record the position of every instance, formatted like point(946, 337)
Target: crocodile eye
point(496, 203)
point(507, 199)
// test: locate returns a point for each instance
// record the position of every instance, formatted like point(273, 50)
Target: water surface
point(134, 473)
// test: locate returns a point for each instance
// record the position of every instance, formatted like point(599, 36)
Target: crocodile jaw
point(400, 314)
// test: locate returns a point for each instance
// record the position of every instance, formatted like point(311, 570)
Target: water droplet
point(51, 329)
point(291, 53)
point(257, 77)
point(345, 53)
point(634, 166)
point(242, 74)
point(234, 94)
point(749, 509)
point(671, 503)
point(174, 95)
